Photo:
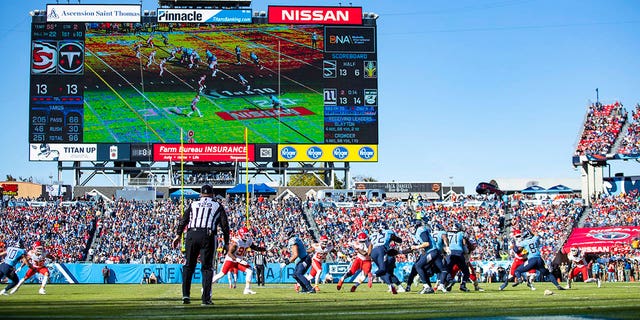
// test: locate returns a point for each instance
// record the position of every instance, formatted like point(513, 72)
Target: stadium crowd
point(141, 232)
point(620, 210)
point(602, 126)
point(630, 144)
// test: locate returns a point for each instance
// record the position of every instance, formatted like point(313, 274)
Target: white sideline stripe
point(64, 273)
point(306, 314)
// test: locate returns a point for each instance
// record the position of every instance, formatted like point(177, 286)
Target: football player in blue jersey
point(381, 244)
point(530, 244)
point(12, 256)
point(440, 243)
point(430, 260)
point(457, 248)
point(301, 257)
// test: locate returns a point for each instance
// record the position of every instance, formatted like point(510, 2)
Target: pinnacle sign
point(204, 16)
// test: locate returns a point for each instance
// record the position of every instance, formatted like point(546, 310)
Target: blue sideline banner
point(172, 273)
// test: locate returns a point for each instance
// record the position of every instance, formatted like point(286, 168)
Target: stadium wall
point(84, 273)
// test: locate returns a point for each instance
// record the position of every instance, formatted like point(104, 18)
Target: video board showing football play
point(312, 80)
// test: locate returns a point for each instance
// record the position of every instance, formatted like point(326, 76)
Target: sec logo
point(71, 57)
point(44, 57)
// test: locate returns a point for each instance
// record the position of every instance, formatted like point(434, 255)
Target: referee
point(201, 220)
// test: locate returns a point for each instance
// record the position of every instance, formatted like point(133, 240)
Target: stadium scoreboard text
point(74, 77)
point(56, 91)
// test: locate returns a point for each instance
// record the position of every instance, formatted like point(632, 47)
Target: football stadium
point(187, 104)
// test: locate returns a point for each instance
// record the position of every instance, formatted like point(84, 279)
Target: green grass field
point(612, 301)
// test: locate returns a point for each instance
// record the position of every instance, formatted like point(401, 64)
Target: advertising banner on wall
point(327, 153)
point(204, 16)
point(320, 15)
point(62, 152)
point(601, 239)
point(93, 13)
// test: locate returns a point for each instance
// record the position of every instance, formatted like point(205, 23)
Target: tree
point(311, 180)
point(304, 180)
point(361, 178)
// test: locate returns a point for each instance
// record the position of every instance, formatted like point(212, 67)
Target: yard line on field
point(104, 123)
point(125, 101)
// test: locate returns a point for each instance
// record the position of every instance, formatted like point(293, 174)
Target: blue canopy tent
point(559, 189)
point(188, 194)
point(534, 189)
point(259, 188)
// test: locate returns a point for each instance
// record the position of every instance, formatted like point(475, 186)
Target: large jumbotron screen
point(98, 85)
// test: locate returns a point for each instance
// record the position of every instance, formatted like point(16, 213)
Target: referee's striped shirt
point(205, 213)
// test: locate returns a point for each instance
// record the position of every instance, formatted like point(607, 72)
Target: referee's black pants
point(199, 242)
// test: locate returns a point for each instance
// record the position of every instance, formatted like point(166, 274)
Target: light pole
point(450, 186)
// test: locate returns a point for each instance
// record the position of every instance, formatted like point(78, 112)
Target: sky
point(469, 90)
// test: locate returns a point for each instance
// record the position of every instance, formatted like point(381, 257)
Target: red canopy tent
point(602, 239)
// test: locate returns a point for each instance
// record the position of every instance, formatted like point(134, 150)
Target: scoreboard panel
point(139, 85)
point(56, 91)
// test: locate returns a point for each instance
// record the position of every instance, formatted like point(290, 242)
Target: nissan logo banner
point(319, 15)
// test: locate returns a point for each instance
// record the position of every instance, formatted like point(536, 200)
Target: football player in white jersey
point(235, 258)
point(162, 65)
point(579, 266)
point(362, 263)
point(38, 258)
point(320, 252)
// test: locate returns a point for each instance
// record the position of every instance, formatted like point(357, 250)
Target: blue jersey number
point(378, 239)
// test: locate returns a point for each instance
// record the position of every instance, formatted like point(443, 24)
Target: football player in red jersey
point(362, 262)
point(235, 258)
point(38, 258)
point(578, 266)
point(320, 251)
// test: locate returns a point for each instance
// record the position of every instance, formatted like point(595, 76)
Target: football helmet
point(244, 233)
point(38, 247)
point(324, 240)
point(288, 232)
point(362, 237)
point(18, 243)
point(516, 234)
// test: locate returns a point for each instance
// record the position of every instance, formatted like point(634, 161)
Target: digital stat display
point(56, 90)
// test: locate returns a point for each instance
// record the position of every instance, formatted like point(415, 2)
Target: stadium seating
point(601, 128)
